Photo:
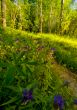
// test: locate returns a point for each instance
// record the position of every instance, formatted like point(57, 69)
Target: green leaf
point(32, 63)
point(10, 101)
point(14, 89)
point(9, 78)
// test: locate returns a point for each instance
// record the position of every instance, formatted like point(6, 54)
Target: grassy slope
point(66, 49)
point(22, 54)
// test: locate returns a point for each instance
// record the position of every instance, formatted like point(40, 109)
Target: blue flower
point(58, 102)
point(75, 101)
point(53, 49)
point(1, 108)
point(27, 95)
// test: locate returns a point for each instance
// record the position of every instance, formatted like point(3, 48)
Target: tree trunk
point(3, 13)
point(20, 19)
point(50, 20)
point(41, 17)
point(13, 18)
point(61, 16)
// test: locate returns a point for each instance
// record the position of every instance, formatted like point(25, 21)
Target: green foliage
point(26, 15)
point(66, 49)
point(25, 62)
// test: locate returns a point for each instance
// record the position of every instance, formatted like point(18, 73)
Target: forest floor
point(66, 75)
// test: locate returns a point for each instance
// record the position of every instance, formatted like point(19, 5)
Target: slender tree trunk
point(41, 16)
point(37, 16)
point(13, 18)
point(50, 19)
point(3, 13)
point(61, 16)
point(20, 19)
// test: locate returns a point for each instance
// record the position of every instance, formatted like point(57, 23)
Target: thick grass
point(66, 49)
point(25, 63)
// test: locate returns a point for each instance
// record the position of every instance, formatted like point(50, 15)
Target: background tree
point(41, 16)
point(61, 16)
point(52, 16)
point(3, 13)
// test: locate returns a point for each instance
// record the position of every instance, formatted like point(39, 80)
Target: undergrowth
point(26, 65)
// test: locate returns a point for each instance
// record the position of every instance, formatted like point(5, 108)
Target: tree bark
point(41, 17)
point(61, 17)
point(3, 13)
point(20, 18)
point(50, 15)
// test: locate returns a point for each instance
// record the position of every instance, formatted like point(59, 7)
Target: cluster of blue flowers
point(58, 102)
point(27, 96)
point(75, 101)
